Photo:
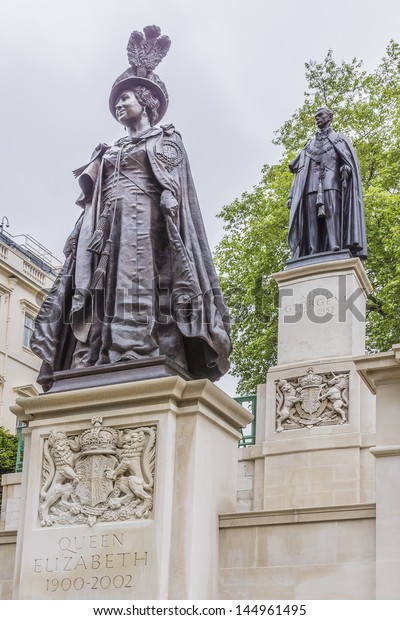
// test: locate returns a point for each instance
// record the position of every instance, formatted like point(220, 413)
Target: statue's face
point(127, 107)
point(323, 119)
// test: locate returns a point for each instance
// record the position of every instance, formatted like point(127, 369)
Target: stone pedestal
point(322, 311)
point(319, 416)
point(381, 372)
point(122, 488)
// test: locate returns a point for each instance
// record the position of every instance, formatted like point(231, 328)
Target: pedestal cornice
point(173, 390)
point(379, 368)
point(318, 269)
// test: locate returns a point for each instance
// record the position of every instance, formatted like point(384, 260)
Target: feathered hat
point(145, 52)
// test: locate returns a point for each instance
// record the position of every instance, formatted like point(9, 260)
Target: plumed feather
point(152, 32)
point(156, 50)
point(146, 51)
point(135, 49)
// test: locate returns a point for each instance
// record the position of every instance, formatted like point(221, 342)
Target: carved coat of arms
point(312, 400)
point(103, 473)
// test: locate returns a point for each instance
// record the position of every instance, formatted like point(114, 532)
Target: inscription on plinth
point(81, 564)
point(90, 562)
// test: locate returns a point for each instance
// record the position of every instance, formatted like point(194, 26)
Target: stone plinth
point(381, 372)
point(318, 419)
point(322, 311)
point(313, 457)
point(122, 489)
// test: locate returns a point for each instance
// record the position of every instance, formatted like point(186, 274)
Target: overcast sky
point(235, 73)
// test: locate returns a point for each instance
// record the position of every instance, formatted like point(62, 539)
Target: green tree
point(367, 109)
point(8, 451)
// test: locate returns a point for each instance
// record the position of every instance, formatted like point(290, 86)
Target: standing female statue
point(139, 280)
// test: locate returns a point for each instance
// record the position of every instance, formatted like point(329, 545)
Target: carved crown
point(99, 439)
point(310, 380)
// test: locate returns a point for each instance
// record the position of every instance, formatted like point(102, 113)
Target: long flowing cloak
point(354, 234)
point(197, 302)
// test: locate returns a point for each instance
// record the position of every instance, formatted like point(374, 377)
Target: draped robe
point(139, 279)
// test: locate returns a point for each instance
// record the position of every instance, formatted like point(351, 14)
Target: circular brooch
point(171, 155)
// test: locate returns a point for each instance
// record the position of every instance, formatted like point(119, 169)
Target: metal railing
point(20, 447)
point(32, 249)
point(248, 433)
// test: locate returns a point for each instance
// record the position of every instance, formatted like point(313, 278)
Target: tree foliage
point(367, 109)
point(8, 451)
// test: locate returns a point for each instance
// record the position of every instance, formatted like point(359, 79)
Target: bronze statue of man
point(325, 201)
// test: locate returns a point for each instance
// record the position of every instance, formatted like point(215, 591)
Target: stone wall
point(7, 559)
point(304, 553)
point(9, 516)
point(298, 554)
point(11, 500)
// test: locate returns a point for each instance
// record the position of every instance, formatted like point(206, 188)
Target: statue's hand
point(173, 211)
point(345, 171)
point(70, 247)
point(168, 203)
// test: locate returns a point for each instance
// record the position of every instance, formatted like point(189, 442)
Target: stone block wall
point(9, 515)
point(7, 559)
point(245, 493)
point(11, 500)
point(318, 478)
point(298, 554)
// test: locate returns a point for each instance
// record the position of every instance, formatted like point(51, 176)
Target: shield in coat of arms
point(310, 395)
point(94, 487)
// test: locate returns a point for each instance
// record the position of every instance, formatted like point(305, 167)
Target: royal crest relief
point(101, 474)
point(312, 400)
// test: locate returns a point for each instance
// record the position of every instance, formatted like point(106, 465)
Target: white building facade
point(27, 270)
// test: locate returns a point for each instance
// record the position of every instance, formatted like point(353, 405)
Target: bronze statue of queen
point(138, 280)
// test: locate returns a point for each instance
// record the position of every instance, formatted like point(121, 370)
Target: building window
point(29, 324)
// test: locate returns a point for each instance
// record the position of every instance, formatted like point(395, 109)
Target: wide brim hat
point(145, 51)
point(129, 80)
